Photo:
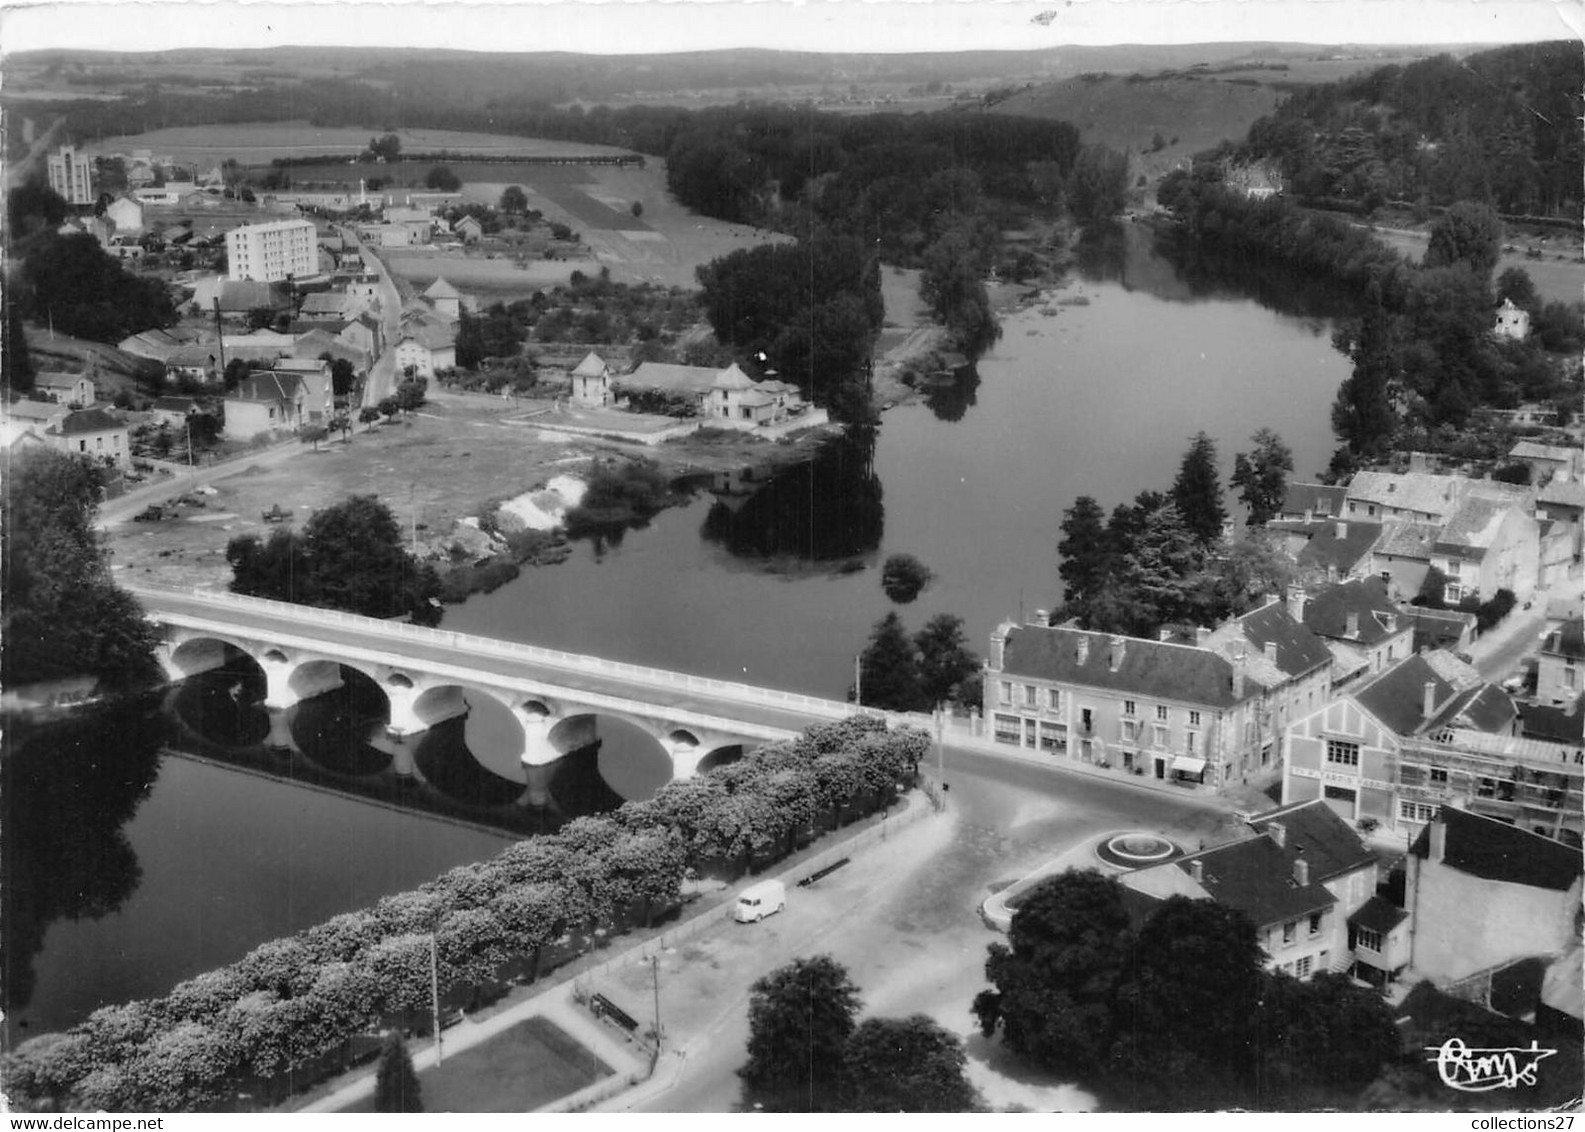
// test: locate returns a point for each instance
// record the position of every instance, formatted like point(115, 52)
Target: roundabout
point(1135, 849)
point(1114, 853)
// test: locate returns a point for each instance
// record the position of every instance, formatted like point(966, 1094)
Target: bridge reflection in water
point(480, 728)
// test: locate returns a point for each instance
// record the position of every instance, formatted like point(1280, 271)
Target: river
point(170, 864)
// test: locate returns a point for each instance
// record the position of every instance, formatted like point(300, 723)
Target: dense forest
point(1500, 127)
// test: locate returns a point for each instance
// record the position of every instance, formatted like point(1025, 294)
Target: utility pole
point(412, 517)
point(654, 970)
point(858, 681)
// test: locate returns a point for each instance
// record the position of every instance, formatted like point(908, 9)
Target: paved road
point(381, 381)
point(906, 925)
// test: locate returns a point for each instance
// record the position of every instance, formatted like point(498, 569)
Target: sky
point(631, 26)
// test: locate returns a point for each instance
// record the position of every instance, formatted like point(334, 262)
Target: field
point(1557, 278)
point(262, 141)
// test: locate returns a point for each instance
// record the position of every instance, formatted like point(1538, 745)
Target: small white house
point(591, 382)
point(1512, 322)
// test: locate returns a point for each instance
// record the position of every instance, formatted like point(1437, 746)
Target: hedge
point(293, 1010)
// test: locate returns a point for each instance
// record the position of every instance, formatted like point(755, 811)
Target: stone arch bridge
point(556, 698)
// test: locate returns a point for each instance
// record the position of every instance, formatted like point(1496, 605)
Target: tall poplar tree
point(1362, 416)
point(1198, 490)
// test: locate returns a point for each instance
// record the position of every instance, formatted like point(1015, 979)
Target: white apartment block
point(270, 252)
point(71, 175)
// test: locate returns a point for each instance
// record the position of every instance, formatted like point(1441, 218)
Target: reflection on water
point(950, 396)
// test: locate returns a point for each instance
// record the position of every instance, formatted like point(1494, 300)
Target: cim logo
point(1482, 1070)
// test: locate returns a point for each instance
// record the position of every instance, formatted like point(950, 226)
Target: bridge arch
point(191, 655)
point(633, 760)
point(721, 756)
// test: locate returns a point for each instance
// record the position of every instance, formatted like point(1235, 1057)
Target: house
point(1485, 546)
point(694, 381)
point(1295, 664)
point(1485, 894)
point(591, 382)
point(317, 343)
point(365, 333)
point(1392, 749)
point(38, 416)
point(1402, 556)
point(127, 215)
point(313, 374)
point(468, 230)
point(1548, 460)
point(445, 299)
point(94, 433)
point(426, 346)
point(157, 345)
point(1421, 496)
point(733, 397)
point(1379, 938)
point(1562, 504)
point(1512, 322)
point(1363, 630)
point(74, 390)
point(1560, 663)
point(1331, 549)
point(1298, 880)
point(173, 411)
point(262, 403)
point(1439, 630)
point(1147, 707)
point(17, 437)
point(238, 300)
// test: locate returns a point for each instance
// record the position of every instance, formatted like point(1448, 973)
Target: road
point(906, 925)
point(381, 381)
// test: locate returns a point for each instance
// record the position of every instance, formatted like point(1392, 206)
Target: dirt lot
point(431, 469)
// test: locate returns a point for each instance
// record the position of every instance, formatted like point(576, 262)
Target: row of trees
point(807, 1051)
point(1177, 1011)
point(1161, 560)
point(348, 556)
point(295, 1002)
point(63, 615)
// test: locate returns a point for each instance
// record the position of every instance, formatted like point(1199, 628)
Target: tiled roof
point(1313, 830)
point(1494, 850)
point(1255, 876)
point(1532, 450)
point(440, 289)
point(267, 386)
point(1567, 640)
point(1485, 707)
point(1153, 668)
point(1328, 547)
point(1378, 914)
point(1450, 668)
point(57, 380)
point(1317, 498)
point(1298, 649)
point(175, 404)
point(327, 302)
point(661, 375)
point(1553, 724)
point(591, 366)
point(88, 420)
point(1473, 528)
point(34, 410)
point(1563, 493)
point(1397, 696)
point(732, 378)
point(1404, 538)
point(250, 294)
point(1408, 491)
point(430, 335)
point(1327, 612)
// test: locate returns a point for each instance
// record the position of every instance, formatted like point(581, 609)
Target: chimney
point(1084, 648)
point(1428, 707)
point(1301, 872)
point(1438, 838)
point(1331, 571)
point(1392, 622)
point(998, 644)
point(1271, 651)
point(1042, 617)
point(1197, 871)
point(1296, 603)
point(1352, 625)
point(1342, 530)
point(1201, 636)
point(1115, 661)
point(1277, 832)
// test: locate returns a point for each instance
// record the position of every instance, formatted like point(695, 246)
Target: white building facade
point(272, 252)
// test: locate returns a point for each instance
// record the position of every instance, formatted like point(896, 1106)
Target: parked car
point(153, 513)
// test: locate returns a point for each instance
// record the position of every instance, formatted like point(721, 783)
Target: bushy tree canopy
point(800, 1020)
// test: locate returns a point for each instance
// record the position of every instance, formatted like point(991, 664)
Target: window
point(1008, 729)
point(1438, 776)
point(1416, 811)
point(1159, 736)
point(1004, 692)
point(1130, 731)
point(1029, 695)
point(1315, 923)
point(1301, 969)
point(1054, 699)
point(1130, 708)
point(1569, 676)
point(1161, 711)
point(1339, 793)
point(1342, 753)
point(1191, 742)
point(1367, 939)
point(1194, 719)
point(1289, 930)
point(1087, 719)
point(1054, 737)
point(1265, 754)
point(1452, 568)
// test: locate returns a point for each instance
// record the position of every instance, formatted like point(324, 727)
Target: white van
point(760, 900)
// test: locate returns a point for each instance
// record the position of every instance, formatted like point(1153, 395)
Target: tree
point(1066, 950)
point(907, 1065)
point(441, 178)
point(1198, 490)
point(946, 663)
point(1320, 1039)
point(1468, 233)
point(313, 434)
point(368, 415)
point(63, 616)
point(410, 394)
point(343, 375)
point(1362, 415)
point(889, 670)
point(16, 365)
point(1515, 285)
point(1085, 550)
point(800, 1019)
point(390, 407)
point(395, 1084)
point(1262, 476)
point(514, 201)
point(903, 577)
point(1098, 186)
point(70, 282)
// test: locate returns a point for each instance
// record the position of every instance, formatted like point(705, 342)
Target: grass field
point(261, 141)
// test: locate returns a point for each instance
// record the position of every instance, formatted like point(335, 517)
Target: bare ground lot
point(431, 469)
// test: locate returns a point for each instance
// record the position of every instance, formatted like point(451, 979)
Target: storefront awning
point(1188, 764)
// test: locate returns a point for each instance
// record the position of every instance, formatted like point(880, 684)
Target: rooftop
point(1567, 640)
point(1313, 498)
point(88, 420)
point(1298, 650)
point(266, 386)
point(1182, 673)
point(1397, 696)
point(1494, 850)
point(1314, 830)
point(1375, 618)
point(1254, 875)
point(1339, 544)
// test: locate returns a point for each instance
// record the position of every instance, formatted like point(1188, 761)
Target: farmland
point(253, 142)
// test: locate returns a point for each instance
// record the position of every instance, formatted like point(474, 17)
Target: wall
point(1464, 924)
point(1306, 772)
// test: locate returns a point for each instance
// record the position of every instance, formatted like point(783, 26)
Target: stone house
point(263, 403)
point(1559, 664)
point(74, 390)
point(93, 433)
point(1362, 628)
point(591, 382)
